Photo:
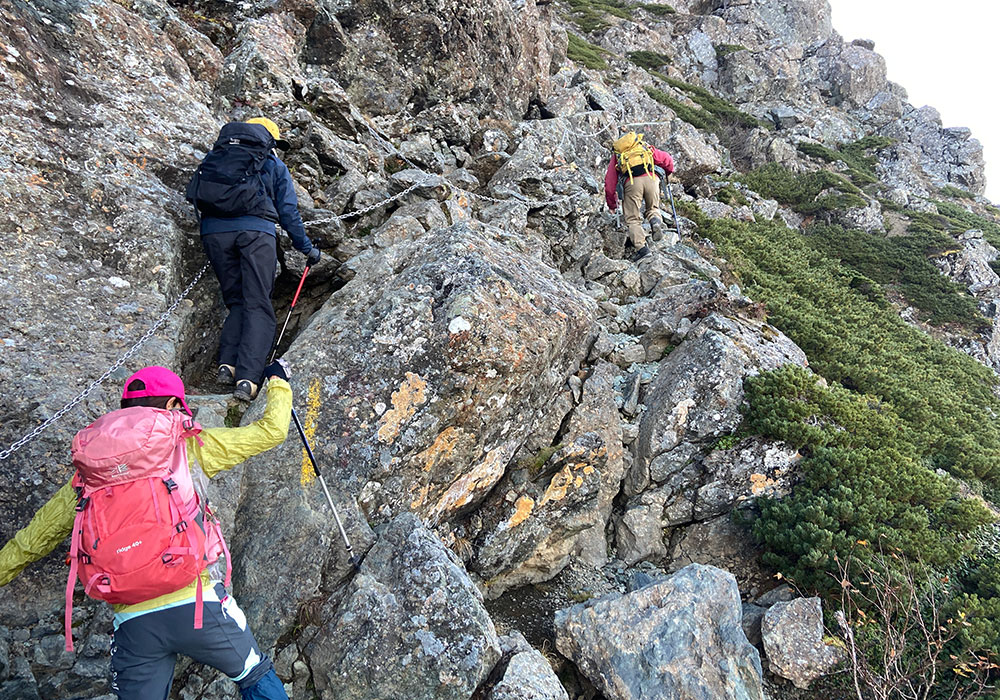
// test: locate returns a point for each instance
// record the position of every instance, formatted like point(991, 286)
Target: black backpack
point(228, 182)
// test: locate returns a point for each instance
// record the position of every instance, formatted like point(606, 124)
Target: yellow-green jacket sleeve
point(223, 448)
point(50, 526)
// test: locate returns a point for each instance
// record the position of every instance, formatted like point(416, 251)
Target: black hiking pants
point(144, 650)
point(244, 263)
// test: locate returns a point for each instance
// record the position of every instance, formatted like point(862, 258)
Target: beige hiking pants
point(645, 188)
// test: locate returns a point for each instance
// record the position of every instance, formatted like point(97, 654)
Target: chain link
point(376, 205)
point(530, 203)
point(118, 363)
point(341, 217)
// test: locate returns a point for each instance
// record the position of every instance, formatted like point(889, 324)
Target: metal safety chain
point(14, 447)
point(100, 380)
point(376, 205)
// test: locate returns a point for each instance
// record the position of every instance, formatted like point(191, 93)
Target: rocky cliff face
point(500, 400)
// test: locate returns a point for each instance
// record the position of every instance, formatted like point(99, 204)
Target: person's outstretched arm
point(287, 204)
point(223, 448)
point(663, 160)
point(50, 525)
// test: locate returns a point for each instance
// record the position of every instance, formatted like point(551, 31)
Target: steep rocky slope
point(512, 417)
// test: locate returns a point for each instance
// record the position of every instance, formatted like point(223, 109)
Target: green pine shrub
point(959, 219)
point(952, 191)
point(944, 396)
point(801, 192)
point(722, 110)
point(862, 479)
point(658, 9)
point(889, 205)
point(820, 151)
point(649, 60)
point(856, 155)
point(582, 51)
point(592, 15)
point(731, 196)
point(977, 584)
point(723, 50)
point(901, 262)
point(899, 406)
point(695, 116)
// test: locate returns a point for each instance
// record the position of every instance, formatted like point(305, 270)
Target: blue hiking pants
point(144, 649)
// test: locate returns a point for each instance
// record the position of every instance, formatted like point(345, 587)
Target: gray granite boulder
point(677, 639)
point(693, 401)
point(411, 625)
point(750, 469)
point(548, 510)
point(792, 633)
point(528, 674)
point(419, 381)
point(419, 52)
point(795, 22)
point(697, 393)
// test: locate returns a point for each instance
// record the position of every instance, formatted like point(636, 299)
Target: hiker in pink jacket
point(171, 600)
point(633, 163)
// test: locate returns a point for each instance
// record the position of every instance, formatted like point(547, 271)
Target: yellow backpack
point(632, 153)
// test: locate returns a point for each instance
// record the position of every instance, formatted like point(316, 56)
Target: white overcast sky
point(945, 54)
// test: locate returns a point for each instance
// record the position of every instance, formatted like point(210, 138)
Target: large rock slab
point(412, 53)
point(693, 402)
point(95, 241)
point(412, 625)
point(263, 67)
point(763, 21)
point(927, 150)
point(430, 367)
point(677, 639)
point(699, 389)
point(417, 383)
point(557, 506)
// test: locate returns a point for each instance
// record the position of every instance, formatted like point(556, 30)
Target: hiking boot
point(226, 375)
point(629, 246)
point(245, 390)
point(640, 254)
point(656, 225)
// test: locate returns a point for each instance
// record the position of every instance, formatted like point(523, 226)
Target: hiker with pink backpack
point(145, 540)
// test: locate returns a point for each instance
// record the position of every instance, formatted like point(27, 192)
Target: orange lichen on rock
point(559, 485)
point(420, 497)
point(405, 401)
point(478, 480)
point(522, 509)
point(759, 483)
point(441, 449)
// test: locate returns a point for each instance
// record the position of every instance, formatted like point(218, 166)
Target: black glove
point(278, 368)
point(312, 257)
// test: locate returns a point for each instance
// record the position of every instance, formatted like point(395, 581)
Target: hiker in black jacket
point(238, 233)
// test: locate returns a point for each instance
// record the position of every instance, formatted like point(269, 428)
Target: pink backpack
point(141, 531)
